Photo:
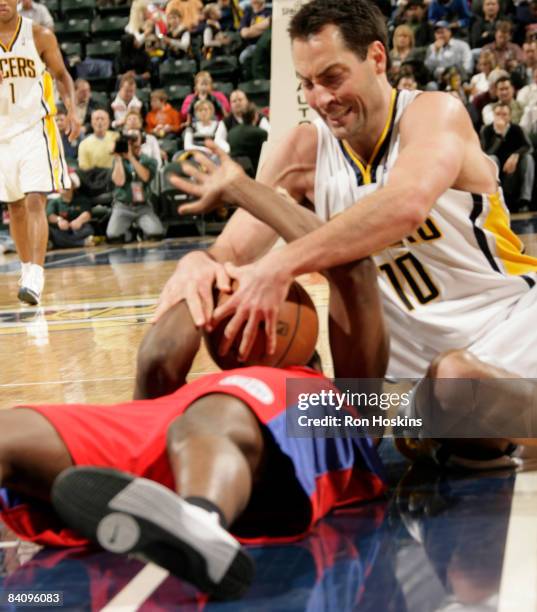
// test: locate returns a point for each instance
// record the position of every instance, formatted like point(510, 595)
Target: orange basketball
point(296, 335)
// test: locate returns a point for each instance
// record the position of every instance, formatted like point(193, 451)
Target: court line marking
point(142, 586)
point(65, 382)
point(518, 587)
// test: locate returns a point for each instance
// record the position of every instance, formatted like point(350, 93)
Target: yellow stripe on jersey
point(366, 170)
point(48, 93)
point(54, 151)
point(13, 38)
point(508, 245)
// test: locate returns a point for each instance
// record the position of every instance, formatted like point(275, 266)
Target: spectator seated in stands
point(407, 81)
point(239, 103)
point(162, 120)
point(527, 96)
point(479, 83)
point(70, 147)
point(403, 50)
point(69, 218)
point(455, 12)
point(153, 44)
point(484, 27)
point(133, 60)
point(255, 21)
point(177, 42)
point(203, 127)
point(214, 39)
point(502, 47)
point(203, 90)
point(230, 19)
point(446, 52)
point(505, 93)
point(125, 100)
point(132, 174)
point(150, 145)
point(85, 105)
point(37, 12)
point(522, 75)
point(414, 14)
point(189, 11)
point(510, 149)
point(95, 151)
point(246, 139)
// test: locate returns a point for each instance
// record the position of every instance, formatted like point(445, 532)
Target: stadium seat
point(258, 91)
point(112, 27)
point(177, 72)
point(101, 97)
point(225, 88)
point(82, 9)
point(222, 68)
point(54, 7)
point(71, 48)
point(177, 93)
point(122, 10)
point(143, 94)
point(72, 30)
point(104, 49)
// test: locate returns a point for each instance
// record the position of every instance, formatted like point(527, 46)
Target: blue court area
point(436, 542)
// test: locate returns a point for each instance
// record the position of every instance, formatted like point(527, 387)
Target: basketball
point(296, 335)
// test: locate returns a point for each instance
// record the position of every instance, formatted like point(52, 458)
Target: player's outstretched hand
point(211, 183)
point(262, 290)
point(72, 126)
point(193, 280)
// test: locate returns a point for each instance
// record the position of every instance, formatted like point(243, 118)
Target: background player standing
point(32, 163)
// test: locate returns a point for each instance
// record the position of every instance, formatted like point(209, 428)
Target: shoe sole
point(130, 515)
point(28, 296)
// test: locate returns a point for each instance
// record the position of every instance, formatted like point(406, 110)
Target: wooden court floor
point(80, 345)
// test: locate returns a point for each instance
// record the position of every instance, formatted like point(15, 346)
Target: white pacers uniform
point(31, 152)
point(460, 281)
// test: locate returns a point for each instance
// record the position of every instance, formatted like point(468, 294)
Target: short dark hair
point(359, 21)
point(504, 79)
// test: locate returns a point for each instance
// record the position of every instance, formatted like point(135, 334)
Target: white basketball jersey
point(454, 278)
point(26, 93)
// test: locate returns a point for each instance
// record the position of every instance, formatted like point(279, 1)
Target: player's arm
point(243, 240)
point(47, 47)
point(437, 138)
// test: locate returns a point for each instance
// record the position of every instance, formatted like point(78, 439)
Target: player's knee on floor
point(221, 416)
point(450, 364)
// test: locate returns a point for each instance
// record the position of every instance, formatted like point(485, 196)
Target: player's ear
point(376, 52)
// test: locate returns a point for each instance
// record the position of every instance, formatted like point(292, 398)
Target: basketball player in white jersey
point(397, 176)
point(31, 155)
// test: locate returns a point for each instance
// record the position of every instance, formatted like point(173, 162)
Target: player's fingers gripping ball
point(297, 329)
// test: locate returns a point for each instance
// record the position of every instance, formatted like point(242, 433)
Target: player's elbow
point(414, 207)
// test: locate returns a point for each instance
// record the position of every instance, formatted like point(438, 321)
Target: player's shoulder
point(301, 141)
point(43, 37)
point(434, 110)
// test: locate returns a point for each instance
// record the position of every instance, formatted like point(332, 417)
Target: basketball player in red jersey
point(32, 163)
point(213, 456)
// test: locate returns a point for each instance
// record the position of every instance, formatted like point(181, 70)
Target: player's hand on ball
point(193, 281)
point(262, 289)
point(211, 183)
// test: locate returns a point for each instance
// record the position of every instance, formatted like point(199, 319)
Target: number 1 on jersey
point(12, 88)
